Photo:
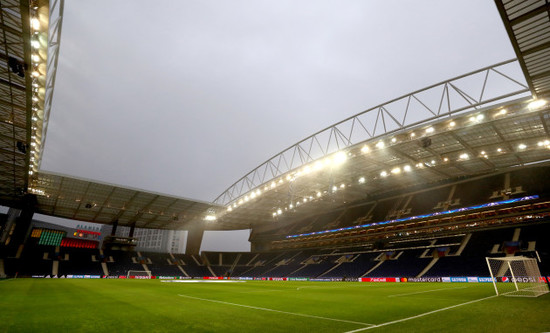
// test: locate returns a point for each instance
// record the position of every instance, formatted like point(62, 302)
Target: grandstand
point(424, 186)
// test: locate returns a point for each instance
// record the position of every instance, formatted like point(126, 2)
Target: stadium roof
point(92, 201)
point(528, 25)
point(478, 123)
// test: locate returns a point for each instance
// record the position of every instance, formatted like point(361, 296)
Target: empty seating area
point(458, 254)
point(78, 261)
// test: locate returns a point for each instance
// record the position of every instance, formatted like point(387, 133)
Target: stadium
point(429, 212)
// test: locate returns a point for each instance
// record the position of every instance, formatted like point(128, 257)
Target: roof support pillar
point(194, 239)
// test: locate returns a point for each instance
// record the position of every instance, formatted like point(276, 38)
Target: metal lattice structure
point(472, 91)
point(15, 98)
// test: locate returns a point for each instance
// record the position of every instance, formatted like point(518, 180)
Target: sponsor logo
point(472, 279)
point(39, 276)
point(384, 279)
point(484, 279)
point(459, 279)
point(422, 279)
point(446, 279)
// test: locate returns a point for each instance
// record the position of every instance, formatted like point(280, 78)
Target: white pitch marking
point(420, 315)
point(425, 291)
point(279, 311)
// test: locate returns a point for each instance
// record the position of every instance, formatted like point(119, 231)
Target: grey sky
point(185, 97)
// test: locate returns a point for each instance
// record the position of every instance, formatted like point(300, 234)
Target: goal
point(517, 276)
point(139, 274)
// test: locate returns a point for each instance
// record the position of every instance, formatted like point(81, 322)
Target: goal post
point(516, 276)
point(139, 274)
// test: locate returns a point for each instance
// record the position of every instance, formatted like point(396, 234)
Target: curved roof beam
point(487, 86)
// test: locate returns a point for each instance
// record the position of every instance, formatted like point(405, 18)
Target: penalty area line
point(278, 311)
point(421, 315)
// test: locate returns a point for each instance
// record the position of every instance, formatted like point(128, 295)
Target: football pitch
point(104, 305)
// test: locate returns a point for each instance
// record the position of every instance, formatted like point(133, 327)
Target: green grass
point(66, 305)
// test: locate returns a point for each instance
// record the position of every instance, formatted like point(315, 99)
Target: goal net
point(517, 276)
point(139, 274)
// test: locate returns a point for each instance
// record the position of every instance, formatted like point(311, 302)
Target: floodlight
point(35, 23)
point(340, 157)
point(464, 156)
point(396, 171)
point(365, 149)
point(362, 180)
point(429, 130)
point(522, 146)
point(452, 124)
point(383, 174)
point(407, 168)
point(537, 104)
point(380, 144)
point(210, 218)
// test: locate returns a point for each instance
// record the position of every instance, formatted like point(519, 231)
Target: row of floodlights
point(396, 171)
point(38, 74)
point(340, 157)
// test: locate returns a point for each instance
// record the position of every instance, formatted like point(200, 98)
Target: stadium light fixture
point(339, 158)
point(393, 140)
point(380, 144)
point(464, 156)
point(522, 146)
point(383, 174)
point(362, 180)
point(407, 168)
point(452, 124)
point(210, 218)
point(319, 194)
point(430, 130)
point(536, 104)
point(365, 149)
point(396, 171)
point(342, 185)
point(334, 189)
point(35, 23)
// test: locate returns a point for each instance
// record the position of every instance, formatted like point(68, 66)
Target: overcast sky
point(185, 97)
